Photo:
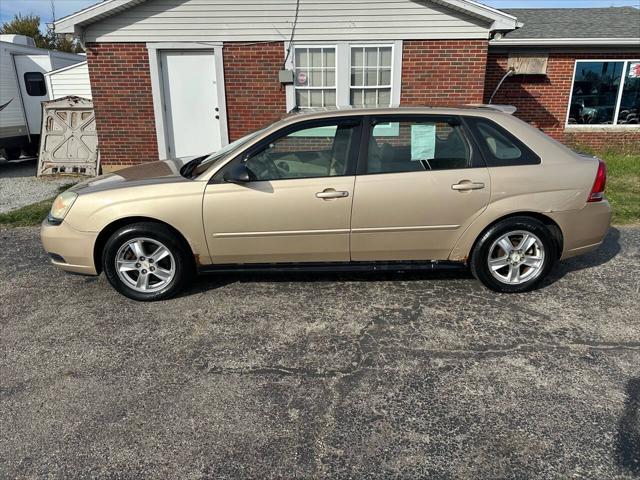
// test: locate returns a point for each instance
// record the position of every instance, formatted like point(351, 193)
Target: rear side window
point(34, 84)
point(417, 144)
point(499, 147)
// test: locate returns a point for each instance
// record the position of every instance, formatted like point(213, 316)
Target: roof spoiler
point(509, 109)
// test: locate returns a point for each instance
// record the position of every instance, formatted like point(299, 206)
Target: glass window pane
point(315, 97)
point(417, 146)
point(321, 151)
point(356, 97)
point(301, 59)
point(329, 78)
point(35, 84)
point(302, 98)
point(315, 78)
point(371, 56)
point(356, 77)
point(370, 99)
point(384, 97)
point(384, 77)
point(385, 56)
point(357, 57)
point(630, 100)
point(371, 77)
point(595, 92)
point(329, 98)
point(329, 57)
point(315, 57)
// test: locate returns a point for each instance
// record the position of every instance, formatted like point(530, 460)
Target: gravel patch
point(19, 185)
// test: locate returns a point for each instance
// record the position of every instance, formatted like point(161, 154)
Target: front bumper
point(583, 230)
point(70, 249)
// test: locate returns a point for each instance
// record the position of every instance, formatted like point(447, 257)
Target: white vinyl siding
point(268, 20)
point(70, 81)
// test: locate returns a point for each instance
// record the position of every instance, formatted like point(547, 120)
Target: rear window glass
point(34, 84)
point(416, 144)
point(499, 147)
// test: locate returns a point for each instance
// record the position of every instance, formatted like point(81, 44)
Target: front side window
point(416, 145)
point(318, 151)
point(315, 76)
point(371, 76)
point(34, 84)
point(604, 93)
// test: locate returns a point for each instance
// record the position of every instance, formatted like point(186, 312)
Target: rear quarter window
point(499, 147)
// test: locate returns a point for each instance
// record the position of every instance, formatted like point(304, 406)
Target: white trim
point(154, 50)
point(604, 126)
point(514, 42)
point(73, 23)
point(322, 69)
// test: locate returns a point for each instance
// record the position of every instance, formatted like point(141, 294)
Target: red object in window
point(597, 192)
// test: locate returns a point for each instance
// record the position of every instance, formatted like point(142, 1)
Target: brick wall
point(255, 97)
point(122, 99)
point(543, 100)
point(443, 72)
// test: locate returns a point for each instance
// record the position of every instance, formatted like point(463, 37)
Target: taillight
point(597, 192)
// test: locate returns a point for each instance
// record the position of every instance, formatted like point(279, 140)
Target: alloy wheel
point(516, 257)
point(145, 265)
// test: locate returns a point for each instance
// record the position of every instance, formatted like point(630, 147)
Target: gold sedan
point(403, 188)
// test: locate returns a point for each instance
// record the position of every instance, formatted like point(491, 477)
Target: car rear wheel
point(145, 261)
point(514, 255)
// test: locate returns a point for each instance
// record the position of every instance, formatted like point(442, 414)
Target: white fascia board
point(532, 42)
point(91, 14)
point(499, 20)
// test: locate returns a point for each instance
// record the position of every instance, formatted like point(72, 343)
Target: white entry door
point(191, 106)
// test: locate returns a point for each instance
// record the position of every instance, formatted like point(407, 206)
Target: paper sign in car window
point(423, 141)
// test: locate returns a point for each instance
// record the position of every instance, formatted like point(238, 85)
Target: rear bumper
point(70, 249)
point(583, 230)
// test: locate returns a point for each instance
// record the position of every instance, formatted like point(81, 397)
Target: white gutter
point(532, 42)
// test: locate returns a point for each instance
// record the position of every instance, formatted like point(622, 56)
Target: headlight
point(62, 204)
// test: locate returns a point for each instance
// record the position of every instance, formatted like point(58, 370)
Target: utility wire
point(293, 32)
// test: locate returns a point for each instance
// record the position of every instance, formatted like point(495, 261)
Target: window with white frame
point(371, 68)
point(605, 92)
point(315, 76)
point(346, 74)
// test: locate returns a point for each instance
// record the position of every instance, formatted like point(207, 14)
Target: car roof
point(321, 113)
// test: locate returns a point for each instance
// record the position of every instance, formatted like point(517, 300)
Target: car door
point(296, 206)
point(419, 185)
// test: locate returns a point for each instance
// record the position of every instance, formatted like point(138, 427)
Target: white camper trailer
point(22, 89)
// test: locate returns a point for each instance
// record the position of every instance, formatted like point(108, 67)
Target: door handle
point(331, 193)
point(467, 185)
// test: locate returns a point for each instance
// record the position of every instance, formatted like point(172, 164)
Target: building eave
point(536, 42)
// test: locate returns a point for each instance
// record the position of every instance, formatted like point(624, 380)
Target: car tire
point(147, 261)
point(504, 264)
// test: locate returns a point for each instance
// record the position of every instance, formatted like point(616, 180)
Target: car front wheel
point(514, 255)
point(145, 261)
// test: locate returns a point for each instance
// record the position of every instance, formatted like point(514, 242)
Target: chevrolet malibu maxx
point(393, 188)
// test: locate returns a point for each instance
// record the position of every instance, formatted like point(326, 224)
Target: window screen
point(499, 147)
point(371, 76)
point(315, 81)
point(416, 145)
point(34, 84)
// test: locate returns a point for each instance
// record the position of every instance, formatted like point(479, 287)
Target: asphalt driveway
point(321, 376)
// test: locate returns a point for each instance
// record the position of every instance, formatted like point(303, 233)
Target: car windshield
point(198, 166)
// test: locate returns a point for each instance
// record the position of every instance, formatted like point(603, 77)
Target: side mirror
point(238, 174)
